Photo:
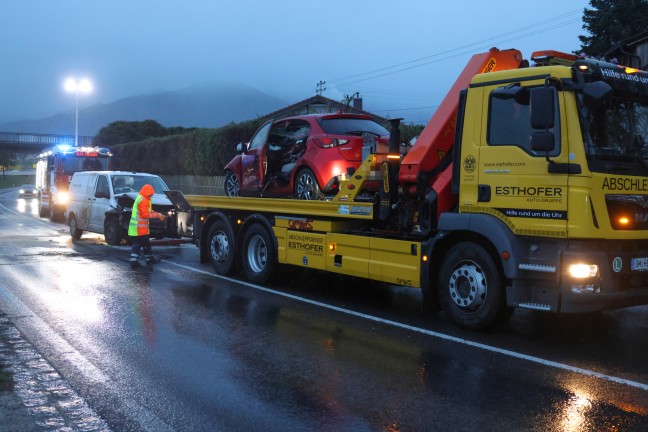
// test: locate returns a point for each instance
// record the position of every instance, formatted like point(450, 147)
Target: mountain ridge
point(205, 106)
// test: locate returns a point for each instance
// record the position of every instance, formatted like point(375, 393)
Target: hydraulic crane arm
point(437, 138)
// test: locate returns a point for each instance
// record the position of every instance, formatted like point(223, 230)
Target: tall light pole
point(77, 86)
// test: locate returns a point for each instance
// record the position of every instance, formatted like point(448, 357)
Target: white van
point(101, 202)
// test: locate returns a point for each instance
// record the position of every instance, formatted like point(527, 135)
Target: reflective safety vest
point(139, 225)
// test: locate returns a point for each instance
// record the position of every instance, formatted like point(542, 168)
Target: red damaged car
point(302, 157)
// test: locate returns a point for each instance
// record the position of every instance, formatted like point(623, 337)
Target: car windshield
point(27, 186)
point(352, 126)
point(124, 183)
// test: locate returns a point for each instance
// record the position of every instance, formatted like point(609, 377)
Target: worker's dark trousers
point(138, 243)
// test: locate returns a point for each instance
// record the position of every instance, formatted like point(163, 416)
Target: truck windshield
point(615, 133)
point(72, 164)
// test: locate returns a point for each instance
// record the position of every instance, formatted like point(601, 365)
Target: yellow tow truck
point(528, 188)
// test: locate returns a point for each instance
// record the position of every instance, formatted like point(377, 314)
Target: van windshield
point(125, 183)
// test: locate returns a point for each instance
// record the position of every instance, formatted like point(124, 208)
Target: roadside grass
point(9, 181)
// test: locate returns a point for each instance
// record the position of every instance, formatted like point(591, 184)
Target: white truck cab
point(101, 202)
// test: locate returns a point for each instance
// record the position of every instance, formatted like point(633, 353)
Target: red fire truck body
point(54, 170)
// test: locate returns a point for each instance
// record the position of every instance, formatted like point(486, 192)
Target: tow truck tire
point(259, 256)
point(470, 286)
point(232, 187)
point(222, 247)
point(75, 232)
point(306, 186)
point(113, 232)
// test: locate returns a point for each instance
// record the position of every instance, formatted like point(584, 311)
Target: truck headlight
point(583, 271)
point(62, 197)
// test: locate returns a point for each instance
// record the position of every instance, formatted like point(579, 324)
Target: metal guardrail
point(42, 139)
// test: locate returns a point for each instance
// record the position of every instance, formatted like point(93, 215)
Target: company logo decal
point(490, 66)
point(301, 224)
point(470, 163)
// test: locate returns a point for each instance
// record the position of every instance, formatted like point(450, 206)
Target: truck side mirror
point(543, 141)
point(240, 148)
point(542, 107)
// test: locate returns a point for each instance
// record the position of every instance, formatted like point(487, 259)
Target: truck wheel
point(75, 232)
point(57, 216)
point(42, 211)
point(113, 232)
point(306, 186)
point(232, 188)
point(471, 287)
point(221, 247)
point(259, 256)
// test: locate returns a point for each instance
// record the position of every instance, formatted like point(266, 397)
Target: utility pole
point(320, 88)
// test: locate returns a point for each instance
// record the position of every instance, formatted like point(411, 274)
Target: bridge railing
point(42, 139)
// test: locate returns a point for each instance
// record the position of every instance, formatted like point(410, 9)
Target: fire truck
point(54, 171)
point(527, 189)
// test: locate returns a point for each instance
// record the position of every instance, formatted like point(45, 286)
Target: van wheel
point(113, 232)
point(222, 247)
point(471, 290)
point(259, 256)
point(75, 232)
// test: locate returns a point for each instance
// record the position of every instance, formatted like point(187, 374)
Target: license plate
point(639, 264)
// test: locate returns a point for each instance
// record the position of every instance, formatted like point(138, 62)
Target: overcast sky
point(401, 56)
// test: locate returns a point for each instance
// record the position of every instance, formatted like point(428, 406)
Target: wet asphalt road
point(178, 348)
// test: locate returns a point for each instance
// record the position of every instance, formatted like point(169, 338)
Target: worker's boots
point(134, 261)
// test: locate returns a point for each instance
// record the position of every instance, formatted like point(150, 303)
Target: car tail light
point(330, 142)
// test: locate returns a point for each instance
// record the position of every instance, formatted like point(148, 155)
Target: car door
point(99, 204)
point(253, 161)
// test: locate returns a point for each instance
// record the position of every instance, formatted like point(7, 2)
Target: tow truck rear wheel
point(221, 247)
point(259, 257)
point(75, 232)
point(471, 289)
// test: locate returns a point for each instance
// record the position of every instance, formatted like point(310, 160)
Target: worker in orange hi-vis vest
point(138, 228)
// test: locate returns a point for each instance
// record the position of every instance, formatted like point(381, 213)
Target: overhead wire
point(450, 55)
point(521, 32)
point(493, 39)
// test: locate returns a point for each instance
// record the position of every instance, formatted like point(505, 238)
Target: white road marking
point(478, 345)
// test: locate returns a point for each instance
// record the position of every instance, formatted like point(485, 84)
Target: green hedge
point(199, 152)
